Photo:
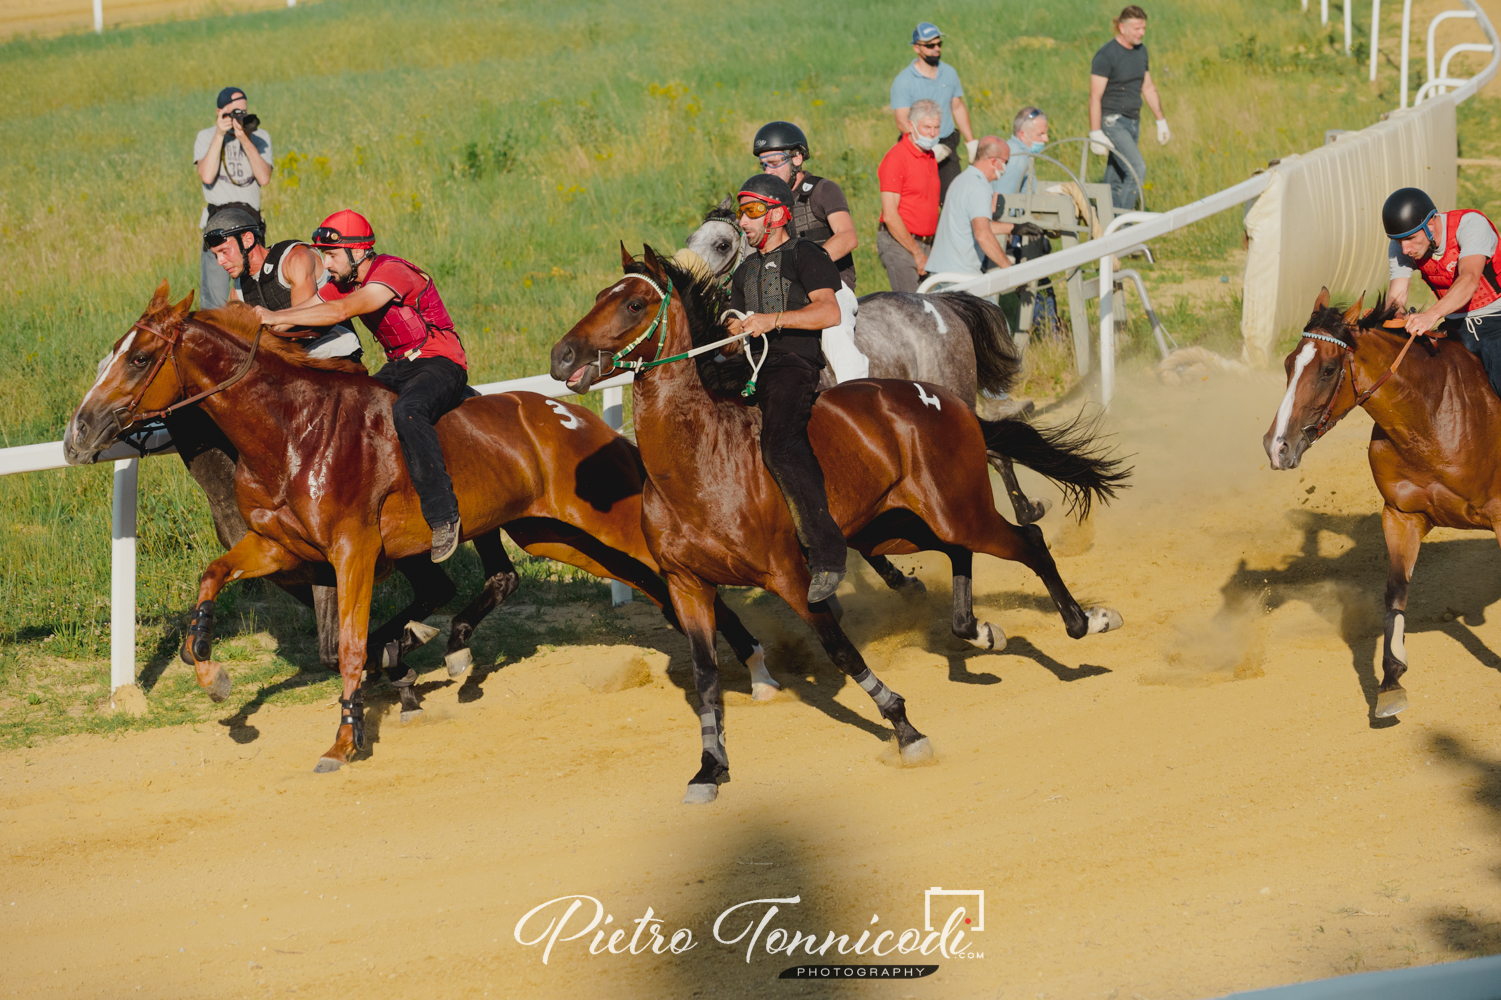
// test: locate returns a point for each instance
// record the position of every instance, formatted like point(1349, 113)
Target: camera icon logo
point(947, 900)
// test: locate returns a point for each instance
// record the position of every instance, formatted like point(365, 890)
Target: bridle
point(1326, 420)
point(127, 415)
point(616, 360)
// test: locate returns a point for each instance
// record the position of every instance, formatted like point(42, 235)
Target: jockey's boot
point(445, 540)
point(823, 584)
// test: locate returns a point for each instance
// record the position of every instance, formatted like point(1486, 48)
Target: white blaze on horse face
point(109, 359)
point(1285, 411)
point(927, 400)
point(570, 419)
point(928, 307)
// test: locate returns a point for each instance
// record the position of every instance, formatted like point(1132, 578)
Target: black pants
point(785, 391)
point(425, 390)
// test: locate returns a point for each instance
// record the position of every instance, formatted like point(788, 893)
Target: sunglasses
point(754, 209)
point(932, 45)
point(775, 161)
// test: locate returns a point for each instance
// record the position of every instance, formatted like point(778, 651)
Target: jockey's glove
point(1163, 135)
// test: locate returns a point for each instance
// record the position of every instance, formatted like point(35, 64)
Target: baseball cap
point(924, 32)
point(229, 94)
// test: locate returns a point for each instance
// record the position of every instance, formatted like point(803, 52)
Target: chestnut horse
point(321, 480)
point(905, 464)
point(1432, 449)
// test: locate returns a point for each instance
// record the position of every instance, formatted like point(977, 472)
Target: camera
point(248, 122)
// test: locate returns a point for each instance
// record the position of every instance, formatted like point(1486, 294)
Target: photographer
point(233, 161)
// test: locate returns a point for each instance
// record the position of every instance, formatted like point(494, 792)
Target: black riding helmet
point(775, 136)
point(232, 220)
point(1407, 211)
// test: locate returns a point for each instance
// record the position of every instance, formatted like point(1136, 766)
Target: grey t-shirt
point(236, 181)
point(1124, 70)
point(1475, 237)
point(955, 248)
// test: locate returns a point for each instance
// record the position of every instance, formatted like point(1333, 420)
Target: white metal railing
point(124, 505)
point(99, 14)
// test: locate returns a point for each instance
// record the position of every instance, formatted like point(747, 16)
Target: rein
point(616, 362)
point(1325, 421)
point(126, 415)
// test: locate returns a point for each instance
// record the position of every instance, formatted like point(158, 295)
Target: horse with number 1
point(1433, 446)
point(905, 464)
point(321, 482)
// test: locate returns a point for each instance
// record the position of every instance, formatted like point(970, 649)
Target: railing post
point(1349, 28)
point(1323, 11)
point(614, 407)
point(1406, 34)
point(1375, 26)
point(122, 576)
point(1107, 329)
point(98, 17)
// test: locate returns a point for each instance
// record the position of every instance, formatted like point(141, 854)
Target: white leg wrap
point(763, 686)
point(1399, 628)
point(713, 736)
point(879, 693)
point(839, 341)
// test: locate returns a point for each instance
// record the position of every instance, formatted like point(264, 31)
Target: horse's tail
point(997, 361)
point(1069, 456)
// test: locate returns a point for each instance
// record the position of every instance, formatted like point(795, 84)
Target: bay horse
point(321, 480)
point(1432, 450)
point(953, 339)
point(905, 464)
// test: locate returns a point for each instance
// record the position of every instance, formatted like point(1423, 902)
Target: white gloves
point(971, 147)
point(942, 152)
point(1163, 135)
point(1099, 143)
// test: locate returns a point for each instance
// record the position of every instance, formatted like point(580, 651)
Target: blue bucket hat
point(925, 32)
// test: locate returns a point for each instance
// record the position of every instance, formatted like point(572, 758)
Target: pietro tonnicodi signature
point(580, 922)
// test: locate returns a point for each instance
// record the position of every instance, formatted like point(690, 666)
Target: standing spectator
point(908, 175)
point(966, 236)
point(819, 213)
point(1029, 134)
point(1119, 81)
point(928, 77)
point(232, 166)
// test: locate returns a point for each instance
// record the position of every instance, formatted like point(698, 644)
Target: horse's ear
point(728, 205)
point(653, 262)
point(626, 260)
point(160, 298)
point(184, 307)
point(1352, 314)
point(1322, 302)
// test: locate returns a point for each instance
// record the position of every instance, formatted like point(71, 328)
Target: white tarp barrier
point(1319, 221)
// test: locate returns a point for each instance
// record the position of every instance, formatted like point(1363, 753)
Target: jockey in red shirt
point(1457, 254)
point(426, 365)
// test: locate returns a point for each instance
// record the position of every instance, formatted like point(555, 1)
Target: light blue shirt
point(954, 245)
point(911, 86)
point(1015, 177)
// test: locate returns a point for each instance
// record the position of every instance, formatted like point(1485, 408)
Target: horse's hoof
point(420, 632)
point(218, 688)
point(918, 752)
point(459, 661)
point(1103, 619)
point(990, 637)
point(764, 691)
point(912, 586)
point(701, 795)
point(408, 714)
point(1389, 703)
point(1039, 511)
point(327, 764)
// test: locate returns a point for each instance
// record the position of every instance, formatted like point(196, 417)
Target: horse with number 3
point(906, 468)
point(1433, 446)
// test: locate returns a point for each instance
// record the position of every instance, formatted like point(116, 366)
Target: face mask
point(924, 142)
point(932, 60)
point(1037, 147)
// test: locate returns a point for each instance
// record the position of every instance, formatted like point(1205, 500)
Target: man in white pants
point(819, 213)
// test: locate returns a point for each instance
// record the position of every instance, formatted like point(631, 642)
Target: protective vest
point(403, 324)
point(809, 226)
point(1439, 271)
point(268, 287)
point(771, 284)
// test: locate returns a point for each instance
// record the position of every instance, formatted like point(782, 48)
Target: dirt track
point(1195, 805)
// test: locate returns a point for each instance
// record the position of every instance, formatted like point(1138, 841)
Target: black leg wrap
point(712, 771)
point(200, 639)
point(354, 715)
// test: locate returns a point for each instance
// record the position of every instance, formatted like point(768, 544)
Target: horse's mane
point(703, 302)
point(721, 214)
point(239, 320)
point(1379, 314)
point(1331, 320)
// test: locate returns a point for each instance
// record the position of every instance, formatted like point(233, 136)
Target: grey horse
point(952, 339)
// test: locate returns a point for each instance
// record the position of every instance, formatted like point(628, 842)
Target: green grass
point(507, 148)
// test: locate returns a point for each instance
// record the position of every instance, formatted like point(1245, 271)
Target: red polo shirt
point(912, 173)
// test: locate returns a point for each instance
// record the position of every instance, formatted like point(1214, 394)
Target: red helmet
point(346, 228)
